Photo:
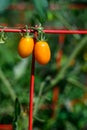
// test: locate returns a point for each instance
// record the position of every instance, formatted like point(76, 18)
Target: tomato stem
point(39, 28)
point(3, 37)
point(27, 33)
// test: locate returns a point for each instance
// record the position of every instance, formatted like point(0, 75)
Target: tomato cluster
point(41, 49)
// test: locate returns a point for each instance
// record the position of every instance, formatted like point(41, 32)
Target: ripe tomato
point(42, 52)
point(25, 46)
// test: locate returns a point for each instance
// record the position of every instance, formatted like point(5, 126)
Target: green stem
point(37, 104)
point(38, 119)
point(7, 85)
point(77, 83)
point(27, 33)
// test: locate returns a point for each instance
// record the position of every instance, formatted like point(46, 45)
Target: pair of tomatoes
point(41, 49)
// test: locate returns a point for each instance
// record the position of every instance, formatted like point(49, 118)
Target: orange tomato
point(42, 52)
point(25, 46)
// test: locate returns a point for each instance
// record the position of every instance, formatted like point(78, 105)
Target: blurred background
point(60, 98)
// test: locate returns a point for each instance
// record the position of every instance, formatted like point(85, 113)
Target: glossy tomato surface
point(42, 52)
point(25, 46)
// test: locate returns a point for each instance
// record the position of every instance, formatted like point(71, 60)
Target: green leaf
point(41, 7)
point(4, 5)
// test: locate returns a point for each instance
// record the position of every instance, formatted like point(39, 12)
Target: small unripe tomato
point(25, 46)
point(42, 52)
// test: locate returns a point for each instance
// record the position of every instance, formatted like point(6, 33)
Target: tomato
point(42, 52)
point(25, 46)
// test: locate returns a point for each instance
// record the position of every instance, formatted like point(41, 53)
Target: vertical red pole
point(32, 89)
point(31, 93)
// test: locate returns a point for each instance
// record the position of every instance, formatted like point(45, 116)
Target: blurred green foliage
point(71, 106)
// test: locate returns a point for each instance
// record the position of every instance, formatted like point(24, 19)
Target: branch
point(77, 83)
point(7, 85)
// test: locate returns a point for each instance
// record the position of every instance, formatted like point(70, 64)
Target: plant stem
point(38, 98)
point(77, 83)
point(7, 85)
point(38, 119)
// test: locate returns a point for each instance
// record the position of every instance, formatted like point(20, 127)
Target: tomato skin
point(42, 52)
point(25, 46)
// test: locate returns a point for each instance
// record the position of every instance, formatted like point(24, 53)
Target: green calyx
point(3, 37)
point(39, 30)
point(27, 33)
point(41, 34)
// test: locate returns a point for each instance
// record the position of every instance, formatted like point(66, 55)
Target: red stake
point(31, 93)
point(32, 87)
point(61, 31)
point(50, 31)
